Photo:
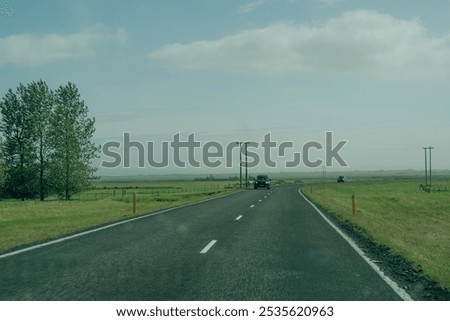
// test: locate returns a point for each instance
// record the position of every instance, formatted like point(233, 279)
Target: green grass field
point(412, 223)
point(29, 222)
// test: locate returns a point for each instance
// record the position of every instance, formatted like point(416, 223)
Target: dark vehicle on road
point(262, 181)
point(341, 179)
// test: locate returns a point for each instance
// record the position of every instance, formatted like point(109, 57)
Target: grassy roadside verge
point(397, 214)
point(29, 222)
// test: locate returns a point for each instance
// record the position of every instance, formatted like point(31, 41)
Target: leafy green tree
point(2, 170)
point(70, 134)
point(39, 101)
point(18, 153)
point(47, 141)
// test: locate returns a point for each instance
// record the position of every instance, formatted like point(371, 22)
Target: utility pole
point(240, 163)
point(430, 148)
point(428, 165)
point(246, 166)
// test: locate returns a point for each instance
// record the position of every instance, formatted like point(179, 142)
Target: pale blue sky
point(375, 73)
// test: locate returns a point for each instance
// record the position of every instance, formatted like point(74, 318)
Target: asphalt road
point(253, 245)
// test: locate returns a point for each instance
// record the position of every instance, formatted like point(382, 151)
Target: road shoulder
point(404, 273)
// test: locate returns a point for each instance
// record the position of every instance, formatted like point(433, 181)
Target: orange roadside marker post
point(353, 205)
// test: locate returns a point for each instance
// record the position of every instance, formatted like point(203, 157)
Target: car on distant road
point(262, 181)
point(341, 179)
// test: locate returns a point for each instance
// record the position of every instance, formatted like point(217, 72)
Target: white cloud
point(329, 2)
point(250, 6)
point(357, 42)
point(33, 50)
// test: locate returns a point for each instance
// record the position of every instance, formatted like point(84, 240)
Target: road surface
point(252, 245)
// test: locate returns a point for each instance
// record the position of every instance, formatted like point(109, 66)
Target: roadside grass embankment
point(29, 222)
point(397, 214)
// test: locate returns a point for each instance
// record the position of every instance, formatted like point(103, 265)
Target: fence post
point(134, 202)
point(353, 205)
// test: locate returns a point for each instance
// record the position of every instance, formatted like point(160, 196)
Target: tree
point(47, 141)
point(18, 154)
point(39, 100)
point(70, 134)
point(2, 170)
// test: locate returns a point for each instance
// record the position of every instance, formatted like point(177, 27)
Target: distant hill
point(280, 175)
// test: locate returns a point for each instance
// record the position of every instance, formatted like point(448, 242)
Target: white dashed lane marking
point(208, 247)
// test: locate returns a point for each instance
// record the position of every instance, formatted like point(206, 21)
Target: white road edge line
point(34, 247)
point(238, 218)
point(207, 247)
point(394, 286)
